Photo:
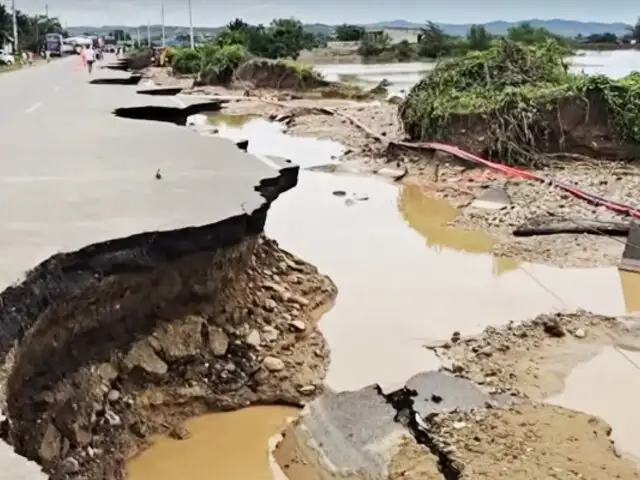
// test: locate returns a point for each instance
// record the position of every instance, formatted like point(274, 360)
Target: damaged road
point(116, 253)
point(441, 427)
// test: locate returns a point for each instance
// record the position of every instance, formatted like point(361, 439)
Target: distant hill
point(567, 28)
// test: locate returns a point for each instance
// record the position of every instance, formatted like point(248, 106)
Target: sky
point(216, 12)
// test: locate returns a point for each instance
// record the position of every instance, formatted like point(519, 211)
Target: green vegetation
point(31, 28)
point(511, 98)
point(432, 43)
point(349, 33)
point(249, 47)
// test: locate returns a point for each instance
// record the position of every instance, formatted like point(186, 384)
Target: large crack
point(176, 115)
point(402, 401)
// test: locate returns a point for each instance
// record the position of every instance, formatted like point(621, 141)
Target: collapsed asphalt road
point(76, 175)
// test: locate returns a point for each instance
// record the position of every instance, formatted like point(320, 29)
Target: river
point(403, 76)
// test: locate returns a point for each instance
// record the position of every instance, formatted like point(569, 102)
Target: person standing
point(89, 57)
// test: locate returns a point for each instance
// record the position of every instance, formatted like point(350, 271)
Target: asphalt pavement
point(73, 174)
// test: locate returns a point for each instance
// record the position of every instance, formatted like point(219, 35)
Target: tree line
point(432, 42)
point(31, 28)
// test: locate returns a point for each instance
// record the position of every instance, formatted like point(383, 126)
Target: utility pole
point(164, 38)
point(14, 15)
point(148, 32)
point(46, 10)
point(139, 41)
point(191, 37)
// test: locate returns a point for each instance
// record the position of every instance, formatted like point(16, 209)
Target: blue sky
point(217, 12)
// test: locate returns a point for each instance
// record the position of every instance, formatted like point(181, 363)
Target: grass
point(512, 88)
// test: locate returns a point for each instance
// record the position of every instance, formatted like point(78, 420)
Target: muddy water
point(404, 279)
point(222, 446)
point(608, 386)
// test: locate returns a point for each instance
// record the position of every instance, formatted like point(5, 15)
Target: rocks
point(70, 465)
point(180, 340)
point(273, 364)
point(298, 325)
point(112, 418)
point(143, 357)
point(113, 396)
point(552, 327)
point(269, 334)
point(218, 341)
point(580, 333)
point(253, 338)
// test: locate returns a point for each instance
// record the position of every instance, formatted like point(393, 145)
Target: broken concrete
point(358, 434)
point(175, 115)
point(130, 80)
point(493, 198)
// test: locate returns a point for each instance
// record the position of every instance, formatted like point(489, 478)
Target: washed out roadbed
point(253, 342)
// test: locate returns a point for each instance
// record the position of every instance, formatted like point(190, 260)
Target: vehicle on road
point(6, 58)
point(53, 44)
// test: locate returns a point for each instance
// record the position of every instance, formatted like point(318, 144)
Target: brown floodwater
point(404, 280)
point(222, 446)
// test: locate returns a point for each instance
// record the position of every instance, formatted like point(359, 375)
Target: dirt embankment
point(105, 347)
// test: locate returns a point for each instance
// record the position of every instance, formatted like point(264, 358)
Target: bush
point(512, 97)
point(211, 63)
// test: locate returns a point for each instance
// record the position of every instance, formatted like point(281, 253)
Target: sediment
point(106, 346)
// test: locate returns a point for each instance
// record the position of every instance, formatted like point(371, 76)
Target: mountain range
point(567, 28)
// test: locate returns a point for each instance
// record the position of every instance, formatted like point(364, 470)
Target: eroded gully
point(405, 280)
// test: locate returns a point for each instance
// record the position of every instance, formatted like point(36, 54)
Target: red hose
point(592, 198)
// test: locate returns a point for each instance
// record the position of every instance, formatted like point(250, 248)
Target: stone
point(182, 339)
point(298, 325)
point(113, 395)
point(143, 357)
point(70, 465)
point(300, 300)
point(273, 364)
point(269, 334)
point(51, 444)
point(580, 333)
point(307, 389)
point(270, 305)
point(218, 341)
point(112, 418)
point(253, 338)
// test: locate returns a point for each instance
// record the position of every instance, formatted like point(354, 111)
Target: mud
point(533, 358)
point(136, 354)
point(461, 182)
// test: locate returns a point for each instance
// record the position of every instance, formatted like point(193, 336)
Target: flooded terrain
point(406, 280)
point(215, 444)
point(403, 76)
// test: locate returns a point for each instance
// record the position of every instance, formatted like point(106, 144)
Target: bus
point(53, 43)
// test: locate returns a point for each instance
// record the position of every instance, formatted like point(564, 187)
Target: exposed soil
point(533, 358)
point(225, 337)
point(528, 441)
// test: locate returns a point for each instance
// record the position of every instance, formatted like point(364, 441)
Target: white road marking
point(33, 107)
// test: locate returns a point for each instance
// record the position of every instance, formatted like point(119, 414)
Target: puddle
point(608, 386)
point(404, 280)
point(222, 446)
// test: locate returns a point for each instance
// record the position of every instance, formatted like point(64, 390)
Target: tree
point(606, 37)
point(433, 42)
point(478, 37)
point(120, 35)
point(349, 33)
point(634, 32)
point(373, 44)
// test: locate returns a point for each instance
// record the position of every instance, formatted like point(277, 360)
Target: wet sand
point(221, 446)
